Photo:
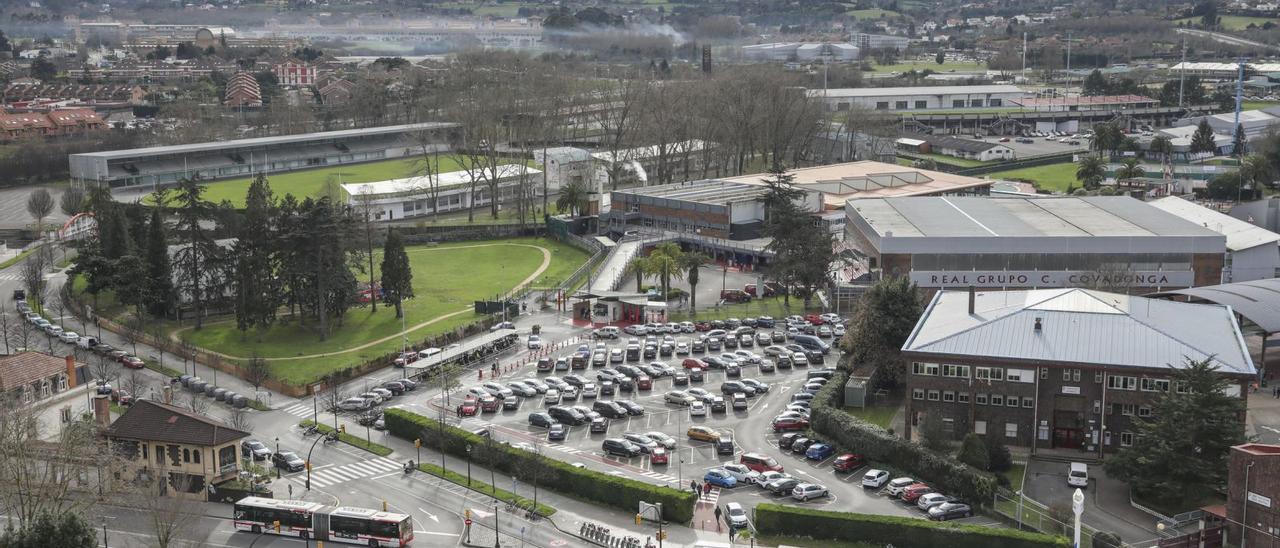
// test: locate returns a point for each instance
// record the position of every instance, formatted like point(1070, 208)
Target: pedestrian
point(717, 515)
point(459, 410)
point(706, 490)
point(290, 490)
point(693, 486)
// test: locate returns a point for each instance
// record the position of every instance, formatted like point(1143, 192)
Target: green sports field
point(1052, 178)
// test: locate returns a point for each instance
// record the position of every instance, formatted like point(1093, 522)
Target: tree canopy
point(877, 331)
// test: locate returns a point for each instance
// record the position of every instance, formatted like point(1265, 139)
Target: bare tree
point(618, 121)
point(197, 403)
point(239, 419)
point(21, 334)
point(256, 372)
point(39, 471)
point(134, 382)
point(426, 145)
point(72, 201)
point(105, 369)
point(132, 332)
point(40, 205)
point(160, 496)
point(333, 394)
point(33, 270)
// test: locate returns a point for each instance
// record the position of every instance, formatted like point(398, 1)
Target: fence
point(1033, 161)
point(1025, 512)
point(583, 273)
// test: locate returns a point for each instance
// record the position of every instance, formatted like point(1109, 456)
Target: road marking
point(429, 514)
point(437, 533)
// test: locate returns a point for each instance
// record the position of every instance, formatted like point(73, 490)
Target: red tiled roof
point(28, 367)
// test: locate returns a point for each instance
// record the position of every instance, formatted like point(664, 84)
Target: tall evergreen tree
point(199, 260)
point(882, 323)
point(256, 290)
point(65, 530)
point(159, 271)
point(326, 244)
point(397, 278)
point(1095, 84)
point(1238, 144)
point(1202, 139)
point(803, 250)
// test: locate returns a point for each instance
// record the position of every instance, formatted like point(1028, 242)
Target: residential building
point(58, 122)
point(1063, 368)
point(243, 91)
point(1253, 495)
point(26, 95)
point(293, 72)
point(33, 376)
point(918, 98)
point(336, 92)
point(1253, 252)
point(193, 451)
point(1034, 242)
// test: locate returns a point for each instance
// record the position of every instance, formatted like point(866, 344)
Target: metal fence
point(1027, 513)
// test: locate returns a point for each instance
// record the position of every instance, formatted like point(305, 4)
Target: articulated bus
point(314, 520)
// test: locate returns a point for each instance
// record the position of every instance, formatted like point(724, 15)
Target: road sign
point(467, 521)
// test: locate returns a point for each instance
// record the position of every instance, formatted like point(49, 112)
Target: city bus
point(304, 519)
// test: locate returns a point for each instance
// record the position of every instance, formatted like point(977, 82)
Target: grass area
point(1257, 105)
point(952, 160)
point(1015, 475)
point(769, 306)
point(485, 489)
point(18, 258)
point(318, 182)
point(161, 369)
point(873, 13)
point(1232, 22)
point(921, 64)
point(352, 440)
point(1052, 177)
point(446, 280)
point(879, 415)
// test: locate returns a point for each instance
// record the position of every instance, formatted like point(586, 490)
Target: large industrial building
point(1111, 242)
point(1253, 252)
point(801, 51)
point(1061, 368)
point(919, 98)
point(144, 167)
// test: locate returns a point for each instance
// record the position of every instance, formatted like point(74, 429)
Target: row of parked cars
point(938, 506)
point(377, 395)
point(71, 337)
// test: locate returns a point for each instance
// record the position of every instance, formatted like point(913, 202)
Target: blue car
point(720, 477)
point(819, 451)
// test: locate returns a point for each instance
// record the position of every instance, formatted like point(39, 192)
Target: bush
point(904, 532)
point(349, 439)
point(973, 452)
point(933, 435)
point(622, 493)
point(1106, 539)
point(998, 457)
point(876, 444)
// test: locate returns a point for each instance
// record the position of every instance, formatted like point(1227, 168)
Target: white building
point(919, 98)
point(801, 51)
point(410, 196)
point(1253, 252)
point(870, 42)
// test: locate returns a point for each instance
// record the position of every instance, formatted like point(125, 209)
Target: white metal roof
point(1240, 234)
point(1259, 67)
point(1081, 326)
point(421, 184)
point(916, 91)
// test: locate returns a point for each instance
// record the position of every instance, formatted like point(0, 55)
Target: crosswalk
point(304, 409)
point(658, 476)
point(333, 475)
point(710, 498)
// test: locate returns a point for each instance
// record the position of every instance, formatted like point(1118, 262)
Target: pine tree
point(159, 271)
point(1094, 84)
point(973, 452)
point(256, 290)
point(802, 249)
point(397, 278)
point(1202, 140)
point(65, 530)
point(881, 325)
point(1238, 143)
point(199, 263)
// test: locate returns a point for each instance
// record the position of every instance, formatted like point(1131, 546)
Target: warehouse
point(1061, 368)
point(968, 149)
point(919, 98)
point(1112, 242)
point(1253, 252)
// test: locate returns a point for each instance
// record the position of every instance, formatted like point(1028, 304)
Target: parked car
point(354, 404)
point(620, 447)
point(782, 424)
point(645, 443)
point(633, 408)
point(808, 491)
point(897, 485)
point(929, 500)
point(720, 478)
point(782, 486)
point(535, 342)
point(848, 462)
point(697, 409)
point(133, 362)
point(557, 432)
point(659, 455)
point(950, 510)
point(914, 491)
point(288, 460)
point(759, 462)
point(510, 403)
point(69, 337)
point(702, 433)
point(874, 479)
point(662, 439)
point(541, 419)
point(255, 449)
point(819, 452)
point(599, 425)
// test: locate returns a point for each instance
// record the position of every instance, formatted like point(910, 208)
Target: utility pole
point(1182, 73)
point(1024, 56)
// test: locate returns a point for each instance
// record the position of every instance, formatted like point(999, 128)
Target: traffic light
point(417, 443)
point(638, 519)
point(342, 428)
point(276, 524)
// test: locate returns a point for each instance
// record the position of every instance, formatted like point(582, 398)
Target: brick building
point(1253, 495)
point(1060, 368)
point(293, 72)
point(243, 91)
point(53, 123)
point(33, 376)
point(191, 450)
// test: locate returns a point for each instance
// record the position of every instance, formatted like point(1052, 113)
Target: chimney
point(102, 411)
point(71, 371)
point(167, 393)
point(973, 296)
point(1038, 325)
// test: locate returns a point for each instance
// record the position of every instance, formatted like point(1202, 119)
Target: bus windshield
point(389, 529)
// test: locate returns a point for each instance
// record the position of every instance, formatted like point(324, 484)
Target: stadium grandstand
point(159, 166)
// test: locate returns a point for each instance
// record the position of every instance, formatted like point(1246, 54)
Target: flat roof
point(1088, 100)
point(949, 216)
point(217, 146)
point(869, 179)
point(1081, 326)
point(706, 191)
point(421, 184)
point(916, 90)
point(1240, 234)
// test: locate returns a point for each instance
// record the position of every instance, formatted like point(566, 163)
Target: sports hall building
point(1107, 242)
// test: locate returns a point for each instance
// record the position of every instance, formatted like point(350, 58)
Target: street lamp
point(1077, 507)
point(468, 465)
point(277, 453)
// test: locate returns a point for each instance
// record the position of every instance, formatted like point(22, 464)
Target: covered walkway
point(1257, 301)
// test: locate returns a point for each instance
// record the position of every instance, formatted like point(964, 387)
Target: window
point(949, 396)
point(186, 455)
point(957, 103)
point(1044, 373)
point(975, 103)
point(1097, 377)
point(1011, 401)
point(900, 105)
point(917, 394)
point(1126, 439)
point(989, 373)
point(1154, 385)
point(1075, 375)
point(962, 397)
point(882, 105)
point(922, 104)
point(1144, 411)
point(1097, 406)
point(980, 427)
point(1010, 429)
point(195, 456)
point(1066, 374)
point(924, 368)
point(1117, 382)
point(144, 451)
point(933, 395)
point(1181, 387)
point(160, 455)
point(995, 103)
point(997, 399)
point(1019, 375)
point(1127, 409)
point(981, 399)
point(1028, 402)
point(958, 371)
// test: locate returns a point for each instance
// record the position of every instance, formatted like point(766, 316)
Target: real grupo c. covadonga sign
point(1057, 278)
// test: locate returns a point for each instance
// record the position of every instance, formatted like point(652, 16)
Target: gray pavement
point(13, 207)
point(1106, 505)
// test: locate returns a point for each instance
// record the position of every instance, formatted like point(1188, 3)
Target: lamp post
point(1077, 507)
point(1244, 513)
point(277, 453)
point(468, 465)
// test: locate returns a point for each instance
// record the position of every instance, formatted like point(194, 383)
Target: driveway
point(1106, 502)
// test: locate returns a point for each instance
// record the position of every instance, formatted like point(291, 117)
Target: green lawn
point(961, 162)
point(318, 182)
point(1052, 177)
point(873, 13)
point(920, 65)
point(1257, 105)
point(879, 415)
point(446, 281)
point(1015, 475)
point(1233, 22)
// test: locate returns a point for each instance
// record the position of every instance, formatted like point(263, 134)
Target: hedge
point(903, 532)
point(948, 475)
point(350, 439)
point(622, 493)
point(486, 489)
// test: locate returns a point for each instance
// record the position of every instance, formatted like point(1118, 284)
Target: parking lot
point(688, 459)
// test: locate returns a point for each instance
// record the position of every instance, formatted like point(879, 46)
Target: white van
point(87, 343)
point(1078, 476)
point(427, 353)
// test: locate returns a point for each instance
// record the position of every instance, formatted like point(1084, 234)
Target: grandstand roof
point(222, 146)
point(420, 184)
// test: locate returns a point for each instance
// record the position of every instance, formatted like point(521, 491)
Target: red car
point(912, 493)
point(132, 362)
point(470, 407)
point(813, 319)
point(848, 462)
point(790, 423)
point(406, 358)
point(658, 455)
point(702, 326)
point(121, 396)
point(489, 404)
point(693, 363)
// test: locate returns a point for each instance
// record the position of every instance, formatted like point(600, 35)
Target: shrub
point(876, 444)
point(904, 532)
point(998, 457)
point(933, 435)
point(621, 493)
point(1106, 539)
point(973, 452)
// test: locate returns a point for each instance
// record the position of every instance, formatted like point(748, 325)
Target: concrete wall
point(1256, 263)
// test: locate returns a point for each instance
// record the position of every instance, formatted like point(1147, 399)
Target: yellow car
point(702, 433)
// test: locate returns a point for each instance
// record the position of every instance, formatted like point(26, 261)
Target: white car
point(874, 479)
point(697, 409)
point(353, 404)
point(535, 342)
point(740, 472)
point(372, 398)
point(806, 491)
point(552, 397)
point(477, 391)
point(929, 500)
point(686, 327)
point(766, 477)
point(53, 331)
point(682, 348)
point(497, 390)
point(897, 485)
point(636, 329)
point(615, 355)
point(678, 397)
point(737, 516)
point(775, 351)
point(590, 390)
point(69, 337)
